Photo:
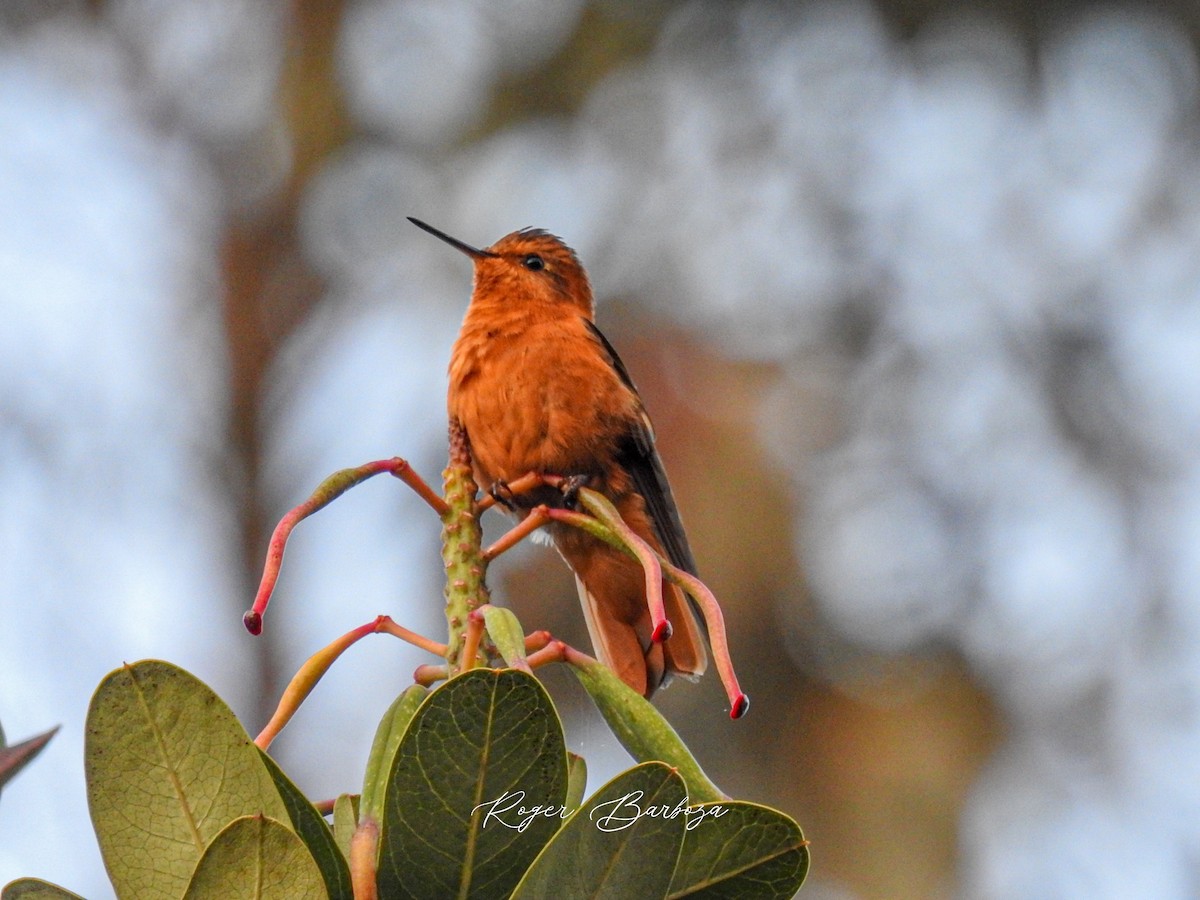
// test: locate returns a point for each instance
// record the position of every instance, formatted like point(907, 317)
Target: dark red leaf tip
point(740, 706)
point(253, 622)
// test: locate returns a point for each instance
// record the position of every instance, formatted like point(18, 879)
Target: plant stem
point(462, 552)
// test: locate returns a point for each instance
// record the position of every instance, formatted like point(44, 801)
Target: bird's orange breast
point(536, 395)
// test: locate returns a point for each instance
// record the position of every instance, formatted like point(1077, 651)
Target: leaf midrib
point(172, 775)
point(464, 886)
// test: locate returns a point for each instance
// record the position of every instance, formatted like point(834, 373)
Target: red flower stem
point(471, 638)
point(536, 640)
point(536, 519)
point(306, 679)
point(364, 845)
point(739, 703)
point(602, 508)
point(608, 525)
point(555, 651)
point(709, 608)
point(387, 626)
point(573, 657)
point(525, 483)
point(428, 674)
point(402, 470)
point(327, 491)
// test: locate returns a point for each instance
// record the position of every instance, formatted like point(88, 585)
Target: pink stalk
point(604, 511)
point(471, 638)
point(526, 482)
point(536, 640)
point(555, 651)
point(388, 626)
point(402, 470)
point(306, 679)
point(739, 703)
point(364, 845)
point(538, 516)
point(613, 526)
point(427, 674)
point(327, 491)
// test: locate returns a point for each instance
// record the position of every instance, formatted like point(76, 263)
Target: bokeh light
point(912, 294)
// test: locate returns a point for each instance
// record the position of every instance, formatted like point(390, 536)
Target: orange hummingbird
point(538, 388)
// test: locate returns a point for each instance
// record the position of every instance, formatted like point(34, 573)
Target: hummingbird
point(538, 388)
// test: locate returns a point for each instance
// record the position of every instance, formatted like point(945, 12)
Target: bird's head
point(530, 266)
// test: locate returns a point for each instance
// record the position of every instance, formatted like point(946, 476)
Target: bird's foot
point(503, 494)
point(570, 488)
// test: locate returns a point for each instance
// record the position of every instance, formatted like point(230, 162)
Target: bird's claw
point(502, 494)
point(570, 488)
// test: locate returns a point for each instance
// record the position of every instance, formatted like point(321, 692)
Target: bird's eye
point(533, 263)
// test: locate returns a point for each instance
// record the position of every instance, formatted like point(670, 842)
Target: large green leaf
point(481, 747)
point(390, 730)
point(35, 889)
point(641, 728)
point(735, 850)
point(310, 825)
point(168, 766)
point(624, 842)
point(256, 858)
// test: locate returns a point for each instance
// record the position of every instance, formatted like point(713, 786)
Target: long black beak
point(473, 252)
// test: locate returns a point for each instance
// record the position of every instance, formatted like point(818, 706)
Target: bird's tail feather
point(626, 647)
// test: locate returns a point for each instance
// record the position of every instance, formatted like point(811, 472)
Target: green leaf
point(13, 759)
point(256, 858)
point(480, 747)
point(505, 632)
point(35, 889)
point(390, 730)
point(576, 780)
point(641, 728)
point(624, 842)
point(310, 825)
point(168, 766)
point(345, 820)
point(736, 850)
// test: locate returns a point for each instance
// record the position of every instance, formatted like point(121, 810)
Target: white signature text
point(510, 811)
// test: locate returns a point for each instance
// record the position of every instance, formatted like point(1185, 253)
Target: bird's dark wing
point(638, 456)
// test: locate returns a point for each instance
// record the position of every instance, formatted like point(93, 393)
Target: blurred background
point(911, 289)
